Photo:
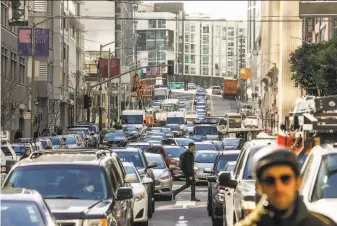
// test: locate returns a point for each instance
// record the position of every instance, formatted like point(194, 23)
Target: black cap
point(272, 156)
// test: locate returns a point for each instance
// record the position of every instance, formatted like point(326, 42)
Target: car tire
point(146, 223)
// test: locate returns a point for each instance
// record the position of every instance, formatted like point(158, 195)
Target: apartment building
point(14, 82)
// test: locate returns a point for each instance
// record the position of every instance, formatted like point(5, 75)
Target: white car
point(319, 183)
point(140, 197)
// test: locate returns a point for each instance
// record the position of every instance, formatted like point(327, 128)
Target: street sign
point(275, 89)
point(27, 116)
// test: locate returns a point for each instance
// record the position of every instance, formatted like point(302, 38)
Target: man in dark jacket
point(188, 170)
point(277, 173)
point(18, 135)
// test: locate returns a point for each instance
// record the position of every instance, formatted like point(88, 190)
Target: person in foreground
point(278, 180)
point(187, 166)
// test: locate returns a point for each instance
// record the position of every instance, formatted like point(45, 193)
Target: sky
point(231, 10)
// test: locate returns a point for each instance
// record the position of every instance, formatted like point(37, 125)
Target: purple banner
point(41, 42)
point(25, 42)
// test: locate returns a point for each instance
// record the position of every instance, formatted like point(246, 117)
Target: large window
point(205, 50)
point(4, 61)
point(187, 48)
point(192, 38)
point(186, 59)
point(192, 59)
point(205, 39)
point(161, 23)
point(205, 29)
point(192, 28)
point(205, 60)
point(205, 70)
point(187, 38)
point(152, 24)
point(192, 70)
point(192, 48)
point(22, 70)
point(186, 69)
point(14, 64)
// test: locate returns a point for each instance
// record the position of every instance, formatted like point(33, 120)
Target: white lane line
point(181, 221)
point(185, 204)
point(181, 218)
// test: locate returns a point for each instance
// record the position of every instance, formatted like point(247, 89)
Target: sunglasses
point(270, 181)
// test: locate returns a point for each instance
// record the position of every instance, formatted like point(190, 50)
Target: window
point(160, 35)
point(242, 30)
point(186, 69)
point(230, 43)
point(161, 23)
point(186, 59)
point(4, 61)
point(152, 23)
point(193, 70)
point(13, 74)
point(113, 178)
point(205, 39)
point(4, 14)
point(192, 48)
point(150, 35)
point(205, 29)
point(187, 38)
point(306, 171)
point(224, 38)
point(230, 39)
point(192, 28)
point(205, 60)
point(187, 48)
point(22, 70)
point(204, 70)
point(192, 59)
point(187, 27)
point(224, 30)
point(230, 54)
point(205, 49)
point(230, 63)
point(72, 31)
point(230, 33)
point(192, 38)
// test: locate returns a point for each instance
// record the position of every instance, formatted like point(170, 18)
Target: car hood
point(202, 166)
point(325, 207)
point(77, 209)
point(158, 173)
point(197, 137)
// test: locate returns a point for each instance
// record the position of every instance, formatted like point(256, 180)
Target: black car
point(115, 139)
point(214, 204)
point(131, 133)
point(138, 158)
point(21, 206)
point(80, 186)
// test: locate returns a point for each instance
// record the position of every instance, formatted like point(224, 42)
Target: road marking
point(181, 221)
point(184, 204)
point(181, 218)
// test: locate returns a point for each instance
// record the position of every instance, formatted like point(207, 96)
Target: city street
point(182, 211)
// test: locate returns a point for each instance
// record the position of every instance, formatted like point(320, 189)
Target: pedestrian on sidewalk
point(187, 166)
point(18, 135)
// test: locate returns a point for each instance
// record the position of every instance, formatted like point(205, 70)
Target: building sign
point(245, 73)
point(91, 60)
point(115, 67)
point(25, 44)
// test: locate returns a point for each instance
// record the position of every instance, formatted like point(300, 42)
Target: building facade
point(15, 102)
point(59, 80)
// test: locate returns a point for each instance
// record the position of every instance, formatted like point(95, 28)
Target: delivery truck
point(230, 88)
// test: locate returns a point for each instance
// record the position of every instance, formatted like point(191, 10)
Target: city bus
point(170, 105)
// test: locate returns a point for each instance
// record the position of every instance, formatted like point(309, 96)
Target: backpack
point(182, 161)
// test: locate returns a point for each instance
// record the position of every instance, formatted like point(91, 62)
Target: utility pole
point(243, 86)
point(109, 90)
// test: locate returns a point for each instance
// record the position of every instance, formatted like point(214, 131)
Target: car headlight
point(248, 206)
point(96, 222)
point(196, 168)
point(220, 197)
point(139, 196)
point(168, 177)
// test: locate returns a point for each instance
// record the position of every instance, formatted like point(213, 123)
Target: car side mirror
point(147, 180)
point(225, 179)
point(152, 165)
point(211, 178)
point(124, 193)
point(130, 178)
point(208, 170)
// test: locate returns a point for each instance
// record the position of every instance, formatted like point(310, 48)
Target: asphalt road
point(183, 212)
point(221, 105)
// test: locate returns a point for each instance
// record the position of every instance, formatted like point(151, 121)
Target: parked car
point(203, 160)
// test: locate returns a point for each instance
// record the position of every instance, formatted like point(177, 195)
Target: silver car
point(163, 178)
point(202, 161)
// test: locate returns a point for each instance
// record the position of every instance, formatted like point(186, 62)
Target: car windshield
point(130, 129)
point(131, 156)
point(152, 138)
point(174, 152)
point(231, 142)
point(166, 130)
point(44, 143)
point(70, 140)
point(115, 134)
point(248, 172)
point(156, 129)
point(28, 211)
point(132, 171)
point(205, 157)
point(55, 141)
point(57, 181)
point(204, 147)
point(20, 150)
point(6, 151)
point(184, 142)
point(142, 147)
point(203, 130)
point(326, 182)
point(211, 120)
point(158, 159)
point(223, 160)
point(175, 120)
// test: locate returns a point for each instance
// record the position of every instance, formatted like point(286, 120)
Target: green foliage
point(314, 67)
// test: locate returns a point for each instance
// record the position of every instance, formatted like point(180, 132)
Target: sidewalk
point(252, 103)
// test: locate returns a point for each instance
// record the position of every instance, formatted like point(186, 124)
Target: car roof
point(173, 146)
point(205, 152)
point(231, 163)
point(204, 142)
point(126, 149)
point(229, 152)
point(324, 149)
point(139, 143)
point(153, 154)
point(66, 157)
point(20, 194)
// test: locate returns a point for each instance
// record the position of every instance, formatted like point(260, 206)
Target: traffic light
point(87, 101)
point(170, 68)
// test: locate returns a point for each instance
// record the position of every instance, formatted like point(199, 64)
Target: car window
point(53, 181)
point(133, 157)
point(306, 171)
point(326, 181)
point(113, 177)
point(174, 152)
point(223, 160)
point(202, 147)
point(131, 171)
point(158, 159)
point(154, 150)
point(239, 163)
point(28, 211)
point(205, 157)
point(248, 171)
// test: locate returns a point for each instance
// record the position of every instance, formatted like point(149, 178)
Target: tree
point(11, 100)
point(314, 67)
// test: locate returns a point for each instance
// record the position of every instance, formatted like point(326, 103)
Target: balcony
point(317, 9)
